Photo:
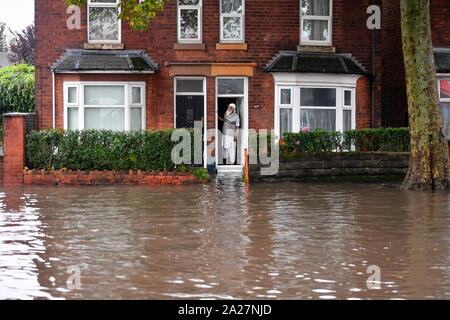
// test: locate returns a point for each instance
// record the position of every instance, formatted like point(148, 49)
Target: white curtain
point(318, 119)
point(347, 120)
point(72, 118)
point(285, 120)
point(104, 118)
point(445, 107)
point(104, 95)
point(136, 118)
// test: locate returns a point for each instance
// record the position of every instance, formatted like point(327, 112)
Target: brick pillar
point(14, 131)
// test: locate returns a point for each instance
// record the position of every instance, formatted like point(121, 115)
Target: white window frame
point(104, 5)
point(324, 18)
point(127, 98)
point(197, 7)
point(327, 81)
point(233, 15)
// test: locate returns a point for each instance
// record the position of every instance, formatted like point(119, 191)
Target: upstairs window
point(103, 23)
point(444, 96)
point(232, 21)
point(315, 22)
point(189, 20)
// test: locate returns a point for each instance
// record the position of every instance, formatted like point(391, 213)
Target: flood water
point(217, 241)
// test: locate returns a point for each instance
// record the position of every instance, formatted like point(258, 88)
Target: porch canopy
point(311, 62)
point(107, 61)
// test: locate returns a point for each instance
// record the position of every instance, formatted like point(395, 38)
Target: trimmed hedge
point(102, 150)
point(380, 139)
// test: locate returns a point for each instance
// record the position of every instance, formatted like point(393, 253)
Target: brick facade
point(269, 27)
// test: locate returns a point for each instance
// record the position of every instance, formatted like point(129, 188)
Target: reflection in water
point(221, 241)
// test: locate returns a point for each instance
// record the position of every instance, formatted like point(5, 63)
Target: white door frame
point(205, 122)
point(244, 124)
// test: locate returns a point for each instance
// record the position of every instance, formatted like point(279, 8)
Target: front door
point(190, 109)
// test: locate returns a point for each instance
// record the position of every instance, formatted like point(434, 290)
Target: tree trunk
point(428, 165)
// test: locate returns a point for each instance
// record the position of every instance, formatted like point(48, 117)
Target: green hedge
point(17, 89)
point(380, 139)
point(101, 150)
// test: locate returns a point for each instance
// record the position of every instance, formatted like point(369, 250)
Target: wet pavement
point(221, 241)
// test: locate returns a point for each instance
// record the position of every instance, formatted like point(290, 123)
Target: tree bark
point(428, 166)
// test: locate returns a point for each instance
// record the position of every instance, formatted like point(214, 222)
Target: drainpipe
point(373, 77)
point(53, 103)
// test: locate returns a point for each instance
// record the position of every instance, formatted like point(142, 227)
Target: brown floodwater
point(219, 241)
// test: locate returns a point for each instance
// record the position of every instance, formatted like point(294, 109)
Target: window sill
point(306, 48)
point(189, 46)
point(232, 46)
point(104, 46)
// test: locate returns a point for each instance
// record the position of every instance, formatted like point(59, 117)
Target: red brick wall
point(271, 26)
point(14, 149)
point(394, 100)
point(95, 177)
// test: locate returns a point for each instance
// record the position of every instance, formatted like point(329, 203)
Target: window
point(444, 94)
point(315, 22)
point(230, 86)
point(103, 23)
point(308, 107)
point(109, 106)
point(232, 20)
point(189, 20)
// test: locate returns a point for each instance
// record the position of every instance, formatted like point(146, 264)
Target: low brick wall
point(95, 177)
point(333, 165)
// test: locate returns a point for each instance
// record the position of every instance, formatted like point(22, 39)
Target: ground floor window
point(310, 107)
point(444, 96)
point(109, 106)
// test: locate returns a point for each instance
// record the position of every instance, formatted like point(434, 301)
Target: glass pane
point(317, 97)
point(231, 28)
point(347, 98)
point(136, 95)
point(445, 107)
point(230, 86)
point(188, 2)
point(316, 7)
point(445, 89)
point(104, 1)
point(72, 118)
point(104, 118)
point(189, 86)
point(72, 95)
point(136, 119)
point(285, 120)
point(315, 30)
point(104, 95)
point(285, 96)
point(318, 119)
point(103, 24)
point(232, 6)
point(347, 125)
point(189, 24)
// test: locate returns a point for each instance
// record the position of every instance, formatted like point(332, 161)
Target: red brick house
point(286, 64)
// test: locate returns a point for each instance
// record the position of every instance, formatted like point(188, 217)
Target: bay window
point(232, 20)
point(189, 21)
point(315, 22)
point(444, 97)
point(310, 107)
point(103, 23)
point(109, 106)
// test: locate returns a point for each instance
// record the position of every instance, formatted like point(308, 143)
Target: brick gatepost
point(14, 131)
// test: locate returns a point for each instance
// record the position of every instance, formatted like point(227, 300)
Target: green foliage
point(137, 13)
point(201, 174)
point(310, 141)
point(101, 150)
point(381, 139)
point(254, 143)
point(17, 89)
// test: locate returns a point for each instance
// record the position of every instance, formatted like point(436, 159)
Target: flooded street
point(215, 241)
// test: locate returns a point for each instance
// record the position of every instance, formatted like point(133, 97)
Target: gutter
point(53, 103)
point(373, 78)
